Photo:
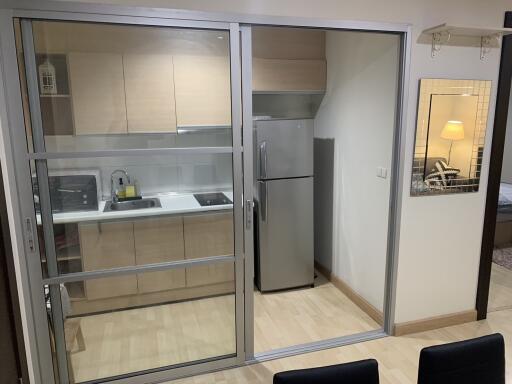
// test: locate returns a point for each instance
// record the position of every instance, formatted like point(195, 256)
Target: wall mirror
point(450, 136)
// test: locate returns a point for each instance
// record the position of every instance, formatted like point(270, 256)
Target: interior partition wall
point(33, 156)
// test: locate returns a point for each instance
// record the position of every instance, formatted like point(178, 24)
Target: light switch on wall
point(382, 172)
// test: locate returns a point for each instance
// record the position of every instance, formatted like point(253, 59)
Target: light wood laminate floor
point(152, 337)
point(143, 338)
point(287, 318)
point(500, 290)
point(397, 356)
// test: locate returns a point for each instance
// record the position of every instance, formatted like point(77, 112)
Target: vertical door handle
point(263, 159)
point(29, 230)
point(248, 214)
point(263, 201)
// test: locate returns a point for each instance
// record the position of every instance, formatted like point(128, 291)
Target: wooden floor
point(397, 356)
point(138, 339)
point(500, 291)
point(300, 316)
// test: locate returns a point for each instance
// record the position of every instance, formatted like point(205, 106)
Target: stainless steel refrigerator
point(284, 204)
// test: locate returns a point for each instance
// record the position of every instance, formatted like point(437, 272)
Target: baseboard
point(436, 322)
point(355, 297)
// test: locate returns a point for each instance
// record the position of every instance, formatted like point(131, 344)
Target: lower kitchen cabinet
point(209, 235)
point(151, 240)
point(159, 240)
point(103, 246)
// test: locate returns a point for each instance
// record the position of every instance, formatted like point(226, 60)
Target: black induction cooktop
point(207, 199)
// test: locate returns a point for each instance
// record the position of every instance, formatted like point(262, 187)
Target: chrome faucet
point(113, 194)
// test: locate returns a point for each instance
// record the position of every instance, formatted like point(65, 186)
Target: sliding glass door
point(133, 197)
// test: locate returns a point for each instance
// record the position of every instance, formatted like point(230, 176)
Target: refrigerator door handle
point(263, 160)
point(263, 201)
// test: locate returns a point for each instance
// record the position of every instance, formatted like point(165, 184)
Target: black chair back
point(475, 361)
point(357, 372)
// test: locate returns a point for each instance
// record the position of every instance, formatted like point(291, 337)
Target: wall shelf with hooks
point(442, 33)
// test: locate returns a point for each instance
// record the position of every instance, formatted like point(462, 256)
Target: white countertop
point(172, 204)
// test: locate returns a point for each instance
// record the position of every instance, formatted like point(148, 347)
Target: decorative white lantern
point(47, 78)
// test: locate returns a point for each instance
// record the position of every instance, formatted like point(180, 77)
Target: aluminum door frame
point(17, 159)
point(11, 115)
point(396, 178)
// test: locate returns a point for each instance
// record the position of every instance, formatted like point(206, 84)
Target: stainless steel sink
point(132, 204)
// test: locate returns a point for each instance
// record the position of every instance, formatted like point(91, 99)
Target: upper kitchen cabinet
point(203, 90)
point(288, 60)
point(132, 87)
point(149, 86)
point(98, 95)
point(275, 75)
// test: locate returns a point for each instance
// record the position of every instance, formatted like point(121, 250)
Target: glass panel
point(108, 86)
point(168, 208)
point(118, 325)
point(328, 117)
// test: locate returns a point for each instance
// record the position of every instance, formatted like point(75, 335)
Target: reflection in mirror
point(450, 136)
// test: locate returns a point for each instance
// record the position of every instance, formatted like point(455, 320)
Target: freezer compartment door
point(285, 234)
point(284, 148)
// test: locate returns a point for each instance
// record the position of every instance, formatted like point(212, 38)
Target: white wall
point(358, 111)
point(431, 281)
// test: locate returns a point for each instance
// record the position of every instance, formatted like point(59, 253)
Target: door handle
point(29, 230)
point(248, 214)
point(263, 159)
point(263, 201)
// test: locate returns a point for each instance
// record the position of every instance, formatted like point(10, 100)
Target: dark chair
point(475, 361)
point(358, 372)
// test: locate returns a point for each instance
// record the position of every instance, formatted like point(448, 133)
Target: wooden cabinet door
point(158, 240)
point(97, 90)
point(203, 90)
point(288, 75)
point(209, 235)
point(149, 86)
point(108, 245)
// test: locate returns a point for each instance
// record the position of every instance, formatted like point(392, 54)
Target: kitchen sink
point(132, 204)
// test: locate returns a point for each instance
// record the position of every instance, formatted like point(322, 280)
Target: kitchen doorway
point(322, 180)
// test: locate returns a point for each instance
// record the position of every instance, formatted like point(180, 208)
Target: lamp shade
point(453, 130)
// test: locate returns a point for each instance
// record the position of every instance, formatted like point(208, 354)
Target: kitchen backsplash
point(153, 174)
